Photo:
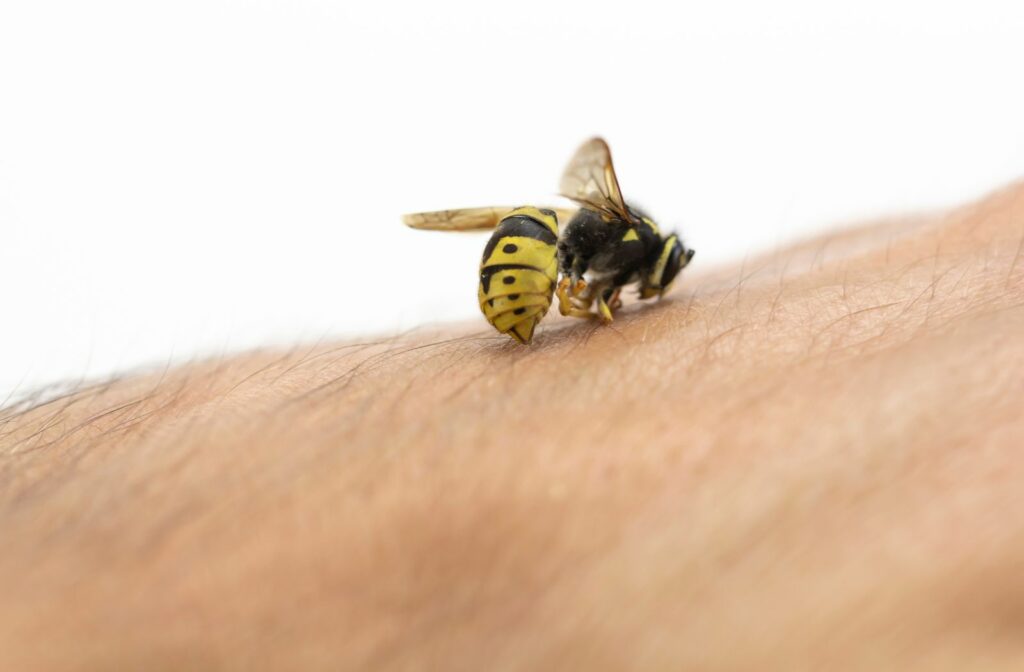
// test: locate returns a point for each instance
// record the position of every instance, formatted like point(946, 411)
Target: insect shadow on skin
point(597, 249)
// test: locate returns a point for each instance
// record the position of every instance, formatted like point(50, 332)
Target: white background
point(180, 179)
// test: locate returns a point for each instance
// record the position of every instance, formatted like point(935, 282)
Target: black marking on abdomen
point(487, 272)
point(520, 226)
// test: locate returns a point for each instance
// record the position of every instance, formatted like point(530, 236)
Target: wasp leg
point(569, 304)
point(604, 309)
point(580, 312)
point(615, 302)
point(564, 305)
point(608, 302)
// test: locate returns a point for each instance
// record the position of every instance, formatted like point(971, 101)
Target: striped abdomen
point(519, 271)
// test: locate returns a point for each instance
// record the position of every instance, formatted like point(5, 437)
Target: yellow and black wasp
point(606, 245)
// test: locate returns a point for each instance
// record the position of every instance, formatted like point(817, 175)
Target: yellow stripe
point(524, 281)
point(654, 279)
point(493, 307)
point(526, 251)
point(654, 227)
point(506, 321)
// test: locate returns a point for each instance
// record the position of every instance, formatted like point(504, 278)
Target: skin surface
point(811, 461)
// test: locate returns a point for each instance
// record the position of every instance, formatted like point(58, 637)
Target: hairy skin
point(814, 461)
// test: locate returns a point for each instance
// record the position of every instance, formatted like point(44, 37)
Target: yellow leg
point(604, 310)
point(565, 304)
point(580, 312)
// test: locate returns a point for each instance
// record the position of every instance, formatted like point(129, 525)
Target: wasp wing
point(468, 219)
point(590, 180)
point(462, 219)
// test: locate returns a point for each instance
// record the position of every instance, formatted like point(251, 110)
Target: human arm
point(811, 460)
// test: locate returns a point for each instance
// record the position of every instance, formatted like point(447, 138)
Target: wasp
point(605, 245)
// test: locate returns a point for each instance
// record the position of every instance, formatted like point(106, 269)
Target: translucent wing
point(463, 219)
point(468, 219)
point(590, 180)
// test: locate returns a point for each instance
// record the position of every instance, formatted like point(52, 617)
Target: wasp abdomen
point(518, 272)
